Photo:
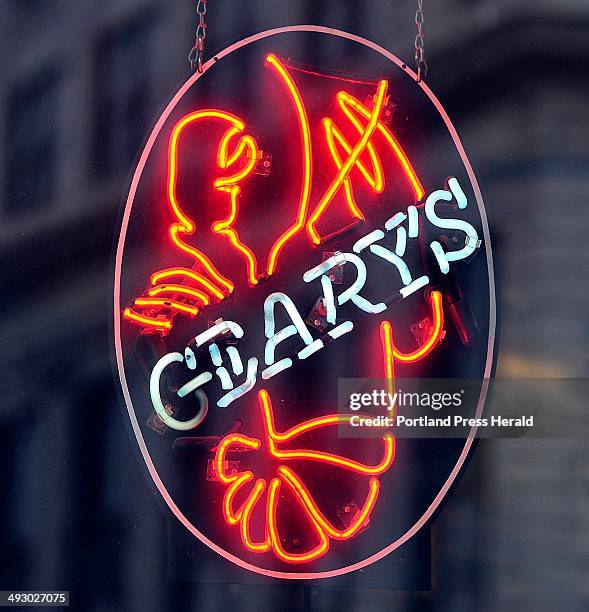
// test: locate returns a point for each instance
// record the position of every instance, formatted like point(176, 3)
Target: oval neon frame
point(117, 310)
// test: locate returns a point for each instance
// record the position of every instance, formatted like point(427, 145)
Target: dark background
point(80, 85)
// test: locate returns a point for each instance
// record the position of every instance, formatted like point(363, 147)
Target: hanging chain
point(419, 47)
point(195, 56)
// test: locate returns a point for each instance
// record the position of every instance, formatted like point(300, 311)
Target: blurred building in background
point(80, 85)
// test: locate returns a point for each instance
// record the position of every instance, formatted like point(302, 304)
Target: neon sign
point(243, 315)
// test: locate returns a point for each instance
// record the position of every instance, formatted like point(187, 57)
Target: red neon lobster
point(286, 477)
point(185, 290)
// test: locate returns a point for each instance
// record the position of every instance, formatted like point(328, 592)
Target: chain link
point(196, 54)
point(420, 61)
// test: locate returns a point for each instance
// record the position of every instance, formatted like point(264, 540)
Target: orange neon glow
point(252, 159)
point(320, 526)
point(223, 160)
point(187, 273)
point(337, 534)
point(434, 337)
point(174, 233)
point(319, 550)
point(305, 131)
point(375, 180)
point(214, 282)
point(185, 221)
point(334, 419)
point(248, 508)
point(157, 323)
point(348, 102)
point(386, 339)
point(228, 441)
point(181, 289)
point(248, 499)
point(352, 108)
point(231, 516)
point(167, 303)
point(391, 353)
point(379, 101)
point(185, 226)
point(225, 228)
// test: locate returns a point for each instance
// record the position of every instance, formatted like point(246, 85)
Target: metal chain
point(420, 61)
point(196, 54)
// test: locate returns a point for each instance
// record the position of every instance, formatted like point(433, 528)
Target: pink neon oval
point(117, 310)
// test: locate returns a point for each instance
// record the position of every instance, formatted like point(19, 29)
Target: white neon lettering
point(416, 285)
point(395, 220)
point(351, 293)
point(457, 192)
point(189, 358)
point(223, 374)
point(329, 300)
point(401, 241)
point(436, 247)
point(275, 338)
point(367, 240)
point(315, 346)
point(215, 354)
point(216, 330)
point(156, 399)
point(393, 258)
point(248, 385)
point(273, 341)
point(472, 239)
point(341, 329)
point(235, 358)
point(195, 383)
point(413, 221)
point(276, 368)
point(323, 267)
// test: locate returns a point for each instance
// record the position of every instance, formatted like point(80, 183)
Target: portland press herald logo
point(345, 162)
